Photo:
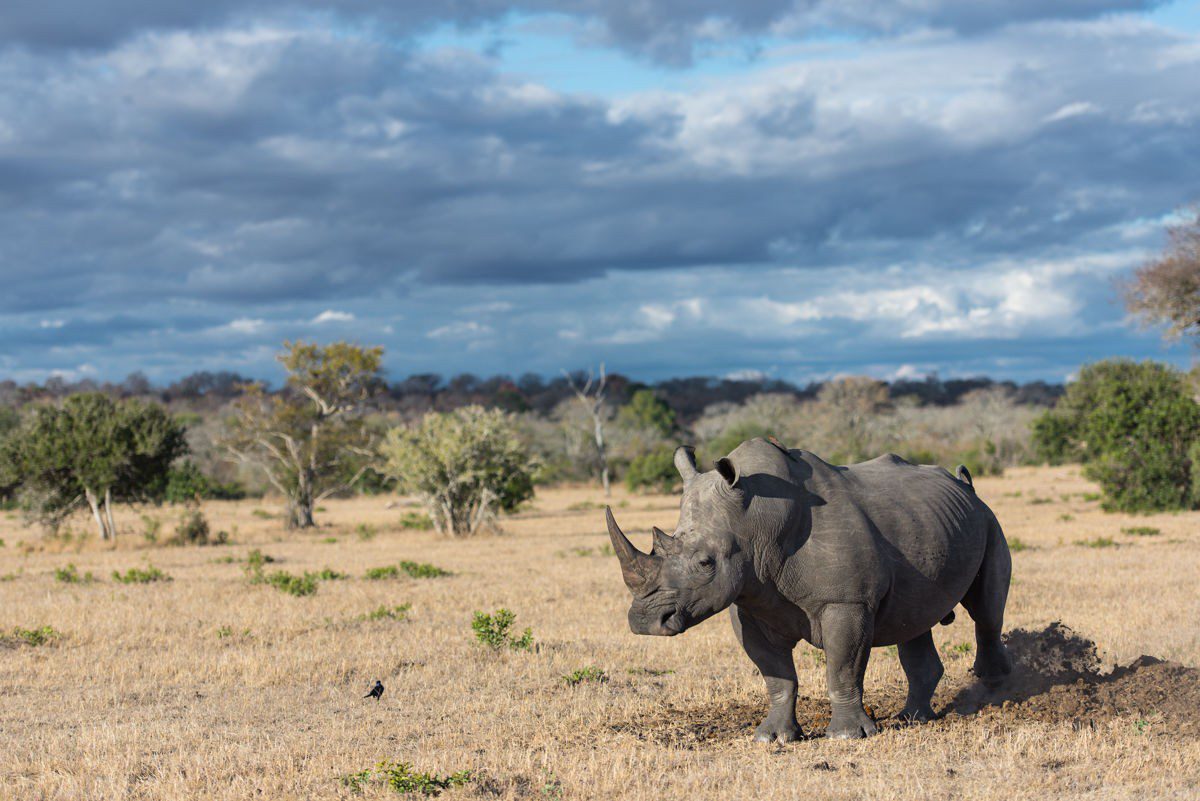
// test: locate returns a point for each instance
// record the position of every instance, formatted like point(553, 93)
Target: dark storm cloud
point(663, 30)
point(225, 182)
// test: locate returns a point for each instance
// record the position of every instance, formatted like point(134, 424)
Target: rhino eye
point(707, 561)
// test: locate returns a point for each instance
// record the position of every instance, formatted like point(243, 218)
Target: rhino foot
point(917, 714)
point(851, 724)
point(778, 731)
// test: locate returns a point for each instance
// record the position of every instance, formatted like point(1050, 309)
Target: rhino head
point(699, 570)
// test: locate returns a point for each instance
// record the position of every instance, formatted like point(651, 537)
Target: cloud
point(957, 181)
point(331, 316)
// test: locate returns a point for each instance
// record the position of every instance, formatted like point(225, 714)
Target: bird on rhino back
point(845, 557)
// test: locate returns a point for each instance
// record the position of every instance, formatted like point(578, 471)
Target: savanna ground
point(210, 687)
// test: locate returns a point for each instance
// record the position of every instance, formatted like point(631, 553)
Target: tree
point(1166, 290)
point(465, 465)
point(1135, 428)
point(92, 449)
point(646, 410)
point(309, 440)
point(591, 396)
point(852, 405)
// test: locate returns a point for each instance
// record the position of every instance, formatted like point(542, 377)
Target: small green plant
point(224, 631)
point(1091, 497)
point(32, 637)
point(401, 777)
point(1098, 542)
point(1016, 494)
point(298, 586)
point(261, 514)
point(1039, 501)
point(493, 631)
point(1141, 531)
point(330, 540)
point(591, 674)
point(192, 529)
point(645, 671)
point(70, 575)
point(150, 528)
point(2, 543)
point(136, 575)
point(388, 613)
point(1066, 518)
point(422, 570)
point(355, 781)
point(584, 506)
point(961, 649)
point(365, 532)
point(380, 573)
point(255, 560)
point(329, 574)
point(1016, 545)
point(9, 576)
point(416, 521)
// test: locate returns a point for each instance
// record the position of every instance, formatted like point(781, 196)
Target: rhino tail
point(949, 618)
point(964, 475)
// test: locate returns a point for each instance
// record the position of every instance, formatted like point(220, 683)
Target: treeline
point(688, 398)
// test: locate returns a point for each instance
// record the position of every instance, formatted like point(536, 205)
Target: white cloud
point(331, 316)
point(465, 329)
point(246, 325)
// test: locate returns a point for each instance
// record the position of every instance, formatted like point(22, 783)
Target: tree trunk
point(602, 451)
point(94, 504)
point(300, 507)
point(112, 528)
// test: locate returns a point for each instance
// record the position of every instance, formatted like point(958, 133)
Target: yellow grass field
point(210, 687)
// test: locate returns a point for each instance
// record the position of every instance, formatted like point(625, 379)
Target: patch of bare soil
point(1057, 677)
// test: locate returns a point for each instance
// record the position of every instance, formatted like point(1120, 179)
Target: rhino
point(847, 558)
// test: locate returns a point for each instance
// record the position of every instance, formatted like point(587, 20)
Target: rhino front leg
point(846, 631)
point(774, 660)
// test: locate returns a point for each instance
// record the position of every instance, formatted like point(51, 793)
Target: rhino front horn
point(637, 568)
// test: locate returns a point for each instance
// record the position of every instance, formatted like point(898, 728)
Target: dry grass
point(210, 687)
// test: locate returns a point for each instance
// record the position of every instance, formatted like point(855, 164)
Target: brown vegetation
point(210, 686)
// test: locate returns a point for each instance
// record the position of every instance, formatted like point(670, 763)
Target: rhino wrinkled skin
point(845, 557)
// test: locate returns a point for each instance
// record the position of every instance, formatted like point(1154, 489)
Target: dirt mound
point(1057, 677)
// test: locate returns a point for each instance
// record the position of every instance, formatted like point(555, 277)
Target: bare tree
point(1167, 288)
point(591, 396)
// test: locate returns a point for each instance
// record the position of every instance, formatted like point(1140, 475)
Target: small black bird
point(376, 691)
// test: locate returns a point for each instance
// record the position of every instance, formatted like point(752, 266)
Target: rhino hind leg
point(985, 602)
point(923, 669)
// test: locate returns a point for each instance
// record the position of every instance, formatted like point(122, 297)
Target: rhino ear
point(728, 471)
point(685, 462)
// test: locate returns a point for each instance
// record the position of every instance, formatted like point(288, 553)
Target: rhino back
point(907, 540)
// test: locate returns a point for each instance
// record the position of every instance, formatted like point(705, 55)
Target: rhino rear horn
point(637, 568)
point(685, 462)
point(664, 543)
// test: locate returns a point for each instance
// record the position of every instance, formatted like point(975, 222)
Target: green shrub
point(401, 778)
point(186, 483)
point(291, 584)
point(32, 637)
point(255, 560)
point(1141, 531)
point(329, 574)
point(380, 573)
point(654, 471)
point(466, 465)
point(1135, 427)
point(589, 674)
point(150, 528)
point(1098, 542)
point(192, 529)
point(493, 631)
point(388, 613)
point(136, 575)
point(416, 521)
point(365, 532)
point(70, 575)
point(423, 570)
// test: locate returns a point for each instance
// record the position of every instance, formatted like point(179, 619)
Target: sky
point(789, 188)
